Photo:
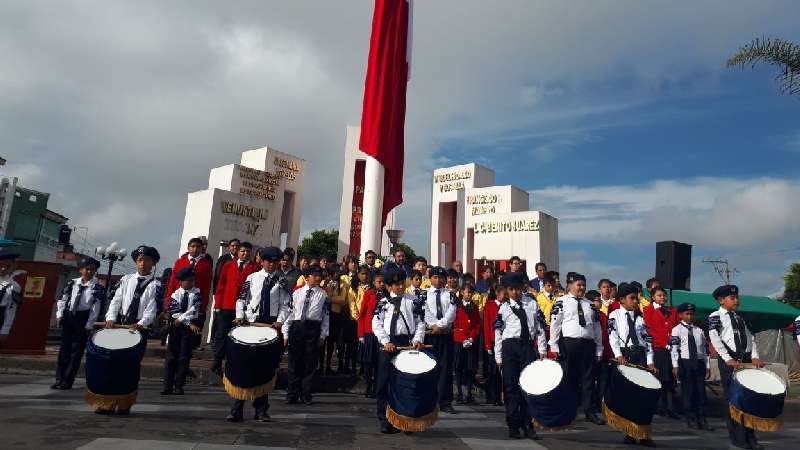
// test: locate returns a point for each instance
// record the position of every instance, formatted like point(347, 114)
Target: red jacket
point(203, 275)
point(489, 316)
point(659, 324)
point(608, 354)
point(366, 312)
point(614, 305)
point(230, 283)
point(467, 324)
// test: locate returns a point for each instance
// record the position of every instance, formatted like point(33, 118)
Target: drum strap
point(397, 313)
point(739, 333)
point(263, 309)
point(524, 330)
point(133, 309)
point(632, 336)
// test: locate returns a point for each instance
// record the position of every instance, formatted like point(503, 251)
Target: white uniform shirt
point(248, 304)
point(91, 299)
point(409, 323)
point(619, 333)
point(721, 331)
point(448, 308)
point(564, 322)
point(192, 306)
point(508, 326)
point(797, 329)
point(123, 297)
point(319, 309)
point(11, 299)
point(679, 343)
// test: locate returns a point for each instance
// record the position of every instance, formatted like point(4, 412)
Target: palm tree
point(776, 52)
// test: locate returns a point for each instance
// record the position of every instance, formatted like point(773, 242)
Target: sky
point(619, 117)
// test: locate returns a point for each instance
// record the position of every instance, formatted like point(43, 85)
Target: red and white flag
point(384, 112)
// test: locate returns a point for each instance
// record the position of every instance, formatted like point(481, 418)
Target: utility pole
point(723, 268)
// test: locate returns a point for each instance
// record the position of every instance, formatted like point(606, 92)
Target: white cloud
point(115, 219)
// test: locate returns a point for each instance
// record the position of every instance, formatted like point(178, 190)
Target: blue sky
point(618, 115)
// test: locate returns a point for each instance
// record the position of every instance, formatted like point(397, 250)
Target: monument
point(474, 221)
point(259, 200)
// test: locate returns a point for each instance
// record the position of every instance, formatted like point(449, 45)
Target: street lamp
point(112, 254)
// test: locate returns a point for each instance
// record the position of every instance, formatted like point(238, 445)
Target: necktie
point(439, 313)
point(192, 261)
point(184, 301)
point(264, 307)
point(738, 333)
point(81, 289)
point(524, 331)
point(241, 266)
point(133, 308)
point(691, 343)
point(581, 317)
point(632, 335)
point(395, 316)
point(306, 304)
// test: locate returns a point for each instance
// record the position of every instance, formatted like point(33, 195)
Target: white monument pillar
point(371, 230)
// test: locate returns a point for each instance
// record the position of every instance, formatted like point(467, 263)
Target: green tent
point(761, 313)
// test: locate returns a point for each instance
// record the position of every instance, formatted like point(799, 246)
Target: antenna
point(723, 268)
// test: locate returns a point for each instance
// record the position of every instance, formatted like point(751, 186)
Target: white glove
point(467, 343)
point(489, 352)
point(361, 340)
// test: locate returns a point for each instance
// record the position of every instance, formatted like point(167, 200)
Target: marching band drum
point(253, 356)
point(755, 399)
point(631, 400)
point(413, 400)
point(552, 403)
point(113, 360)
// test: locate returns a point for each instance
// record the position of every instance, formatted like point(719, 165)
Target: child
point(392, 333)
point(135, 305)
point(691, 365)
point(77, 310)
point(183, 307)
point(452, 282)
point(440, 312)
point(494, 382)
point(466, 329)
point(196, 258)
point(627, 335)
point(547, 297)
point(660, 319)
point(415, 288)
point(604, 365)
point(421, 266)
point(735, 345)
point(369, 343)
point(361, 283)
point(305, 329)
point(10, 292)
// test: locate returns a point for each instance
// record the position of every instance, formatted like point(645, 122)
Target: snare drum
point(631, 400)
point(413, 400)
point(113, 363)
point(755, 399)
point(252, 356)
point(552, 403)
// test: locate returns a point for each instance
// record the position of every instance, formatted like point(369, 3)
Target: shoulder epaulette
point(498, 322)
point(674, 340)
point(715, 322)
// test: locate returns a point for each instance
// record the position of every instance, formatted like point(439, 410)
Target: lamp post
point(112, 254)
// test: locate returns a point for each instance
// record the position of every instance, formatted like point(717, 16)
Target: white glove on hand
point(361, 340)
point(467, 343)
point(489, 352)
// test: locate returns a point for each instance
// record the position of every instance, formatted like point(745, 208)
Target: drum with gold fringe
point(413, 400)
point(252, 356)
point(113, 363)
point(631, 400)
point(552, 401)
point(755, 399)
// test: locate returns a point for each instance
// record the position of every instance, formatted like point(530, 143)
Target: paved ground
point(33, 416)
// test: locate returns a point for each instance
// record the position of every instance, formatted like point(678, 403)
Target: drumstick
point(116, 325)
point(262, 325)
point(411, 347)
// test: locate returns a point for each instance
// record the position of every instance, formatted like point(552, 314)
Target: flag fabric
point(384, 111)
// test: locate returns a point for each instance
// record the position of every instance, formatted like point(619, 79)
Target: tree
point(320, 243)
point(775, 52)
point(410, 253)
point(791, 290)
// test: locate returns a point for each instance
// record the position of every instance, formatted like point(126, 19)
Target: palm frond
point(776, 52)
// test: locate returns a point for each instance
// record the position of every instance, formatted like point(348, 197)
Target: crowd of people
point(483, 331)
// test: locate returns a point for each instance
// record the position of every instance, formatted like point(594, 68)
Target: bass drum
point(552, 403)
point(252, 355)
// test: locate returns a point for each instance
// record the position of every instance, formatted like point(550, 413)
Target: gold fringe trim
point(540, 427)
point(248, 393)
point(624, 425)
point(404, 423)
point(111, 402)
point(754, 422)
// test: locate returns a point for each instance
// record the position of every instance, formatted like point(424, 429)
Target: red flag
point(384, 112)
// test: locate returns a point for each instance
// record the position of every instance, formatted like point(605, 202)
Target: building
point(32, 225)
point(259, 200)
point(474, 221)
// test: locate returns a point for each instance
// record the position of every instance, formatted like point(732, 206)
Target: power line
point(723, 268)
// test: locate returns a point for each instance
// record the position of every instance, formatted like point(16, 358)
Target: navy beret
point(726, 290)
point(683, 307)
point(144, 250)
point(574, 276)
point(514, 280)
point(88, 261)
point(438, 272)
point(184, 274)
point(394, 275)
point(270, 254)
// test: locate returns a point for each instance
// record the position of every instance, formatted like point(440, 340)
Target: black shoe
point(388, 429)
point(124, 412)
point(232, 418)
point(65, 386)
point(595, 419)
point(754, 445)
point(179, 391)
point(292, 400)
point(498, 403)
point(447, 409)
point(514, 433)
point(56, 385)
point(308, 401)
point(263, 417)
point(104, 412)
point(530, 433)
point(702, 424)
point(629, 440)
point(166, 392)
point(648, 443)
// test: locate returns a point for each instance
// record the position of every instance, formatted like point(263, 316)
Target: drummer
point(628, 338)
point(440, 313)
point(519, 340)
point(735, 345)
point(396, 323)
point(183, 308)
point(264, 299)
